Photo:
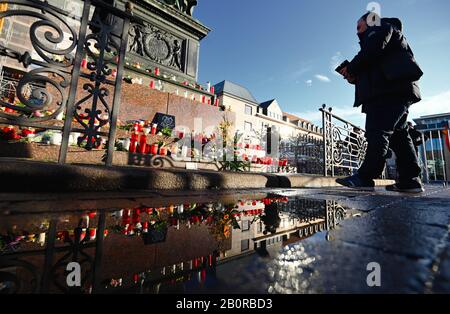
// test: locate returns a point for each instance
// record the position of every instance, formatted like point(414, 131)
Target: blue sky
point(287, 50)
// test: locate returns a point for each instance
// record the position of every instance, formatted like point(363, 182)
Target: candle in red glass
point(163, 151)
point(156, 71)
point(142, 144)
point(180, 135)
point(154, 149)
point(154, 129)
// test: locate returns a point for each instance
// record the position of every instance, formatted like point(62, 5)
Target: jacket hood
point(395, 22)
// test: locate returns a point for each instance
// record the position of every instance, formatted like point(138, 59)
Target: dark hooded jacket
point(385, 67)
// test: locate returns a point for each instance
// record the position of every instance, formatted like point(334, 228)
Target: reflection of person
point(271, 219)
point(385, 75)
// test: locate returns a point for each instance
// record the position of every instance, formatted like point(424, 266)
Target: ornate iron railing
point(59, 41)
point(344, 145)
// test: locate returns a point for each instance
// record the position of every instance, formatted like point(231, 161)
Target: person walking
point(385, 74)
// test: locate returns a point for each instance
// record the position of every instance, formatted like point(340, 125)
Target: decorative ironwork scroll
point(59, 40)
point(344, 145)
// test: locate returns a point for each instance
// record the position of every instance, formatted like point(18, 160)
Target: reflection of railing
point(431, 155)
point(344, 145)
point(58, 70)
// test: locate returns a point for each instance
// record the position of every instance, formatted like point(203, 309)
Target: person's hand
point(344, 72)
point(347, 76)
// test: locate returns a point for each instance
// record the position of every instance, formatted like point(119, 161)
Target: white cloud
point(439, 103)
point(309, 83)
point(322, 78)
point(305, 67)
point(336, 61)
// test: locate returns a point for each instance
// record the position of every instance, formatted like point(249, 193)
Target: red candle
point(203, 99)
point(154, 129)
point(163, 151)
point(217, 102)
point(152, 84)
point(212, 90)
point(114, 73)
point(142, 143)
point(180, 135)
point(133, 142)
point(84, 63)
point(156, 71)
point(154, 149)
point(209, 101)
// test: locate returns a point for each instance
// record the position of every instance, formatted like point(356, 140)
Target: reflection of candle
point(203, 99)
point(84, 63)
point(152, 84)
point(92, 233)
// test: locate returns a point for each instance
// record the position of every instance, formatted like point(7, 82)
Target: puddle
point(249, 246)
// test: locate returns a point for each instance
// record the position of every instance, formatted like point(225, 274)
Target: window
point(260, 227)
point(245, 225)
point(248, 126)
point(248, 110)
point(245, 245)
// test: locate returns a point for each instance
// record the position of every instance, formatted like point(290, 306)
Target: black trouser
point(386, 127)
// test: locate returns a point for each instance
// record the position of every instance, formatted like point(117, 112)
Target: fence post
point(70, 108)
point(324, 132)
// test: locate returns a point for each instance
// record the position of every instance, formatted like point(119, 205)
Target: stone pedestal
point(169, 39)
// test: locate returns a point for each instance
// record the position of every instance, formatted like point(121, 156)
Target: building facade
point(435, 153)
point(254, 118)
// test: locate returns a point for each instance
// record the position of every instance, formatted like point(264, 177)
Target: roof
point(295, 118)
point(266, 104)
point(235, 90)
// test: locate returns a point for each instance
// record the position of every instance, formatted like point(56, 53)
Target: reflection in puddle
point(177, 248)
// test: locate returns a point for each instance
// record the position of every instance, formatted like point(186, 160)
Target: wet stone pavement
point(274, 241)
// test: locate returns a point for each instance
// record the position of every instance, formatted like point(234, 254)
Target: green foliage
point(236, 166)
point(167, 132)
